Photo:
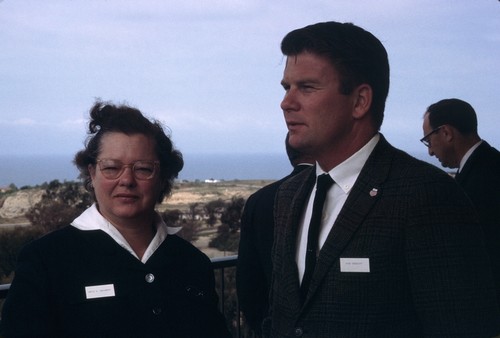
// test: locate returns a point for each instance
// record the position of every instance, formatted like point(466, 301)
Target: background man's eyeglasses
point(425, 139)
point(142, 170)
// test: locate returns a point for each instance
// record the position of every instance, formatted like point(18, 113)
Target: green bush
point(60, 204)
point(228, 236)
point(189, 231)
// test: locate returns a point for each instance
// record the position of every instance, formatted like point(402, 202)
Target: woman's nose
point(127, 177)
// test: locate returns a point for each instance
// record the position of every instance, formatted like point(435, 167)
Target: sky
point(211, 70)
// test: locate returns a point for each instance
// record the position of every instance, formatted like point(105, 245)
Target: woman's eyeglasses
point(142, 170)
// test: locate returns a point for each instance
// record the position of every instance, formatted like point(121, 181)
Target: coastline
point(32, 170)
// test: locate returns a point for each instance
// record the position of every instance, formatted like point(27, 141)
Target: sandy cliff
point(18, 203)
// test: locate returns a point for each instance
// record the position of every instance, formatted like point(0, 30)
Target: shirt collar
point(91, 219)
point(346, 173)
point(467, 155)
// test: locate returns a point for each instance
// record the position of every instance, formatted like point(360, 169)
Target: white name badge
point(100, 291)
point(354, 265)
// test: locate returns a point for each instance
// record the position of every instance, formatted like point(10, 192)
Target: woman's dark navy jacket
point(171, 295)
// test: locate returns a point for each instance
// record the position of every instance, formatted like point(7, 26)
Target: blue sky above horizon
point(211, 70)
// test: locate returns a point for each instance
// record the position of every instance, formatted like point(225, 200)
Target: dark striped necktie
point(324, 183)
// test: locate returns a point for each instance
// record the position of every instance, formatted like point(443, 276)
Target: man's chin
point(295, 141)
point(443, 164)
point(446, 165)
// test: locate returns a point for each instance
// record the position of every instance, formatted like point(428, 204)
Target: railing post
point(222, 290)
point(221, 263)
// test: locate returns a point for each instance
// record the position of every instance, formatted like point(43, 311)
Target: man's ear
point(363, 95)
point(448, 132)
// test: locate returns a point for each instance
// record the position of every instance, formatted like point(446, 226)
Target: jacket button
point(150, 278)
point(298, 332)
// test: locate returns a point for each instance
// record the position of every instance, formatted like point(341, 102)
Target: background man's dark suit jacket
point(253, 273)
point(429, 272)
point(48, 298)
point(480, 178)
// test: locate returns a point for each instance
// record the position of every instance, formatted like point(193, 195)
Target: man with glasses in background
point(450, 129)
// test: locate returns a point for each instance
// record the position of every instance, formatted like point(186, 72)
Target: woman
point(117, 270)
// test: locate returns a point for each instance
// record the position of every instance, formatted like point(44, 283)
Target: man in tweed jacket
point(400, 250)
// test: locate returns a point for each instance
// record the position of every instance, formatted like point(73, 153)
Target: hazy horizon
point(32, 170)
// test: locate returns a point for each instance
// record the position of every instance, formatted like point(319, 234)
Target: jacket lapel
point(363, 196)
point(300, 193)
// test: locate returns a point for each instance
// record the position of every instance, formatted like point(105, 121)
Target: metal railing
point(219, 265)
point(4, 289)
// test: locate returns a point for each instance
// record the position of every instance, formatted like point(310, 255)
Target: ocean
point(22, 170)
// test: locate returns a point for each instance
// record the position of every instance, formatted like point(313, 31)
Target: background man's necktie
point(324, 183)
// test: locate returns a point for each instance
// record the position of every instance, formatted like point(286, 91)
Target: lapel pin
point(373, 192)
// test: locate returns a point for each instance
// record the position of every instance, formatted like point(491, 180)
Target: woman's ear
point(363, 95)
point(91, 169)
